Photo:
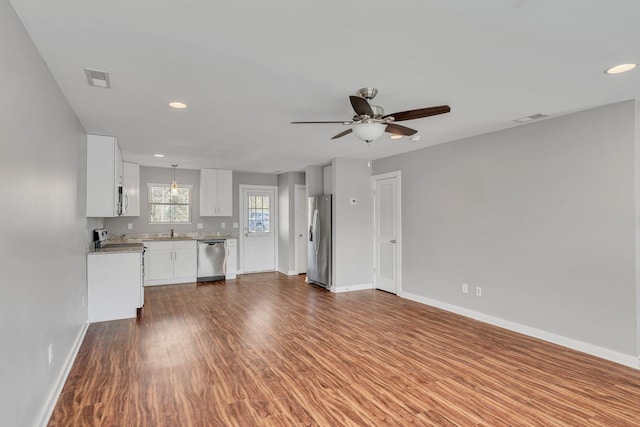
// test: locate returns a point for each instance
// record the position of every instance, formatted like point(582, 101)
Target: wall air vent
point(531, 118)
point(98, 78)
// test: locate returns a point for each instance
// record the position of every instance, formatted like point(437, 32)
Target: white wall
point(42, 254)
point(352, 225)
point(542, 217)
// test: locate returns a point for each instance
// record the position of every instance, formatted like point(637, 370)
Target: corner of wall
point(637, 215)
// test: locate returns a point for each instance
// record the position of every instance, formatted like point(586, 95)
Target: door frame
point(398, 176)
point(241, 219)
point(296, 188)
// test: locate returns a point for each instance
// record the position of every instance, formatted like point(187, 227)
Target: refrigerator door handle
point(313, 231)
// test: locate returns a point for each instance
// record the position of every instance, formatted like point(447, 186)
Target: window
point(167, 207)
point(258, 214)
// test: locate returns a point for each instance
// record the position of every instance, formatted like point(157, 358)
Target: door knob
point(393, 241)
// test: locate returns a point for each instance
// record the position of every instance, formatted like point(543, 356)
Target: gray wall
point(44, 171)
point(314, 180)
point(352, 224)
point(542, 216)
point(286, 219)
point(152, 175)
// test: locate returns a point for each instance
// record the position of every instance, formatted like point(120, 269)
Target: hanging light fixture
point(174, 184)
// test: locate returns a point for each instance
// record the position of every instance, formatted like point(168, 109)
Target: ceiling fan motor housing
point(378, 111)
point(368, 93)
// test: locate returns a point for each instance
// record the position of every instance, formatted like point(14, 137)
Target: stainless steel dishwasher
point(211, 260)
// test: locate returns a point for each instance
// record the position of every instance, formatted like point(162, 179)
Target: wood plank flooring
point(271, 350)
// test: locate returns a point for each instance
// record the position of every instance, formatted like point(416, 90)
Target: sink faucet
point(172, 233)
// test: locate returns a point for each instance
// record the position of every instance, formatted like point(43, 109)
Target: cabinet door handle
point(176, 255)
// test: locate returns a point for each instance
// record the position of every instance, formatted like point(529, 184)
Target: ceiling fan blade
point(419, 113)
point(400, 130)
point(341, 134)
point(334, 122)
point(361, 106)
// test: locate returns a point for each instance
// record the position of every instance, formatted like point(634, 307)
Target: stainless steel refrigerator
point(319, 241)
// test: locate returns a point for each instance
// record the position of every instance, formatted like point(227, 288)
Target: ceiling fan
point(370, 122)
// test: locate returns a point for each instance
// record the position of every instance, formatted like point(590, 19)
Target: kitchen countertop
point(149, 237)
point(152, 237)
point(115, 250)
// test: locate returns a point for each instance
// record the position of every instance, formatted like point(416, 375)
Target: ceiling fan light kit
point(370, 122)
point(369, 132)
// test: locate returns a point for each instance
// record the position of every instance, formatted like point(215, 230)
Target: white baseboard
point(287, 272)
point(594, 350)
point(352, 288)
point(171, 281)
point(54, 395)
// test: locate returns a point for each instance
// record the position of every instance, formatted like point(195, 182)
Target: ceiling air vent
point(531, 118)
point(98, 78)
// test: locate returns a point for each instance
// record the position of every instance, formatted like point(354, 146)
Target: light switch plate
point(235, 225)
point(200, 226)
point(130, 226)
point(223, 225)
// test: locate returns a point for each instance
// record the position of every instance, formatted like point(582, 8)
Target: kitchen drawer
point(184, 244)
point(160, 246)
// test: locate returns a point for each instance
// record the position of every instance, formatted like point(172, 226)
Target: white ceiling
point(247, 68)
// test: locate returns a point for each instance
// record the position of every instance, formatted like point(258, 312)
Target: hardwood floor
point(271, 350)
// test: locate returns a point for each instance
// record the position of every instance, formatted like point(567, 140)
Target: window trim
point(190, 204)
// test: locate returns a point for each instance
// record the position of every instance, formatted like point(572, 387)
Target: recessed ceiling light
point(395, 136)
point(158, 155)
point(622, 68)
point(177, 105)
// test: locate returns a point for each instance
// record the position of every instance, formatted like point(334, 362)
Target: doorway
point(258, 220)
point(387, 232)
point(300, 228)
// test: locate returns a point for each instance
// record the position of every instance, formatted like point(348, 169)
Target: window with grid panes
point(258, 214)
point(169, 207)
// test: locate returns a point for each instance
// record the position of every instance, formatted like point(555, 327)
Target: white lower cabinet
point(114, 285)
point(169, 262)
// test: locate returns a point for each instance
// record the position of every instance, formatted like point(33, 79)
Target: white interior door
point(258, 228)
point(387, 232)
point(300, 241)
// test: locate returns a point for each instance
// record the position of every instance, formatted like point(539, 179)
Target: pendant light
point(174, 184)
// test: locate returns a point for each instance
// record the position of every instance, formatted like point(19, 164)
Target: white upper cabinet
point(104, 176)
point(216, 192)
point(131, 189)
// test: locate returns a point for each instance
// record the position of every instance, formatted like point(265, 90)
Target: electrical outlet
point(235, 225)
point(465, 288)
point(130, 226)
point(223, 225)
point(478, 291)
point(200, 226)
point(50, 354)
